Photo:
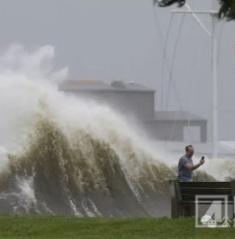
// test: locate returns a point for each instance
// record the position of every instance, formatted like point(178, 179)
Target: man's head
point(189, 151)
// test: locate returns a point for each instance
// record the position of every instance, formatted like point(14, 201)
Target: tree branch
point(227, 9)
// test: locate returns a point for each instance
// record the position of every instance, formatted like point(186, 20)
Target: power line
point(165, 57)
point(173, 60)
point(163, 61)
point(169, 67)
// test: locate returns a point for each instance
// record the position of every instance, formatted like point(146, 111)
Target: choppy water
point(63, 155)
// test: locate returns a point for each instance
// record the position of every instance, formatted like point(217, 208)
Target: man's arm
point(192, 167)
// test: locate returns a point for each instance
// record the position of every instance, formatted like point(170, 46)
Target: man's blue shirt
point(182, 171)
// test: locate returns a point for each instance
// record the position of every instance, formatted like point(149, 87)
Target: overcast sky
point(124, 39)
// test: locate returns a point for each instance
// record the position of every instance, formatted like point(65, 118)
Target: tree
point(227, 7)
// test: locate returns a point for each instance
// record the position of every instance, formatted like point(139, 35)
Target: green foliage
point(227, 9)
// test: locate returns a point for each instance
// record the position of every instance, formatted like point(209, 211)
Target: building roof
point(96, 85)
point(176, 115)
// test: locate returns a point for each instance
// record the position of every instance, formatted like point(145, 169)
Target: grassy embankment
point(102, 228)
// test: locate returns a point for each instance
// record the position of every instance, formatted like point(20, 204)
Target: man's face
point(190, 152)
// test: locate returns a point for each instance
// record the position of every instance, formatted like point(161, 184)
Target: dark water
point(86, 179)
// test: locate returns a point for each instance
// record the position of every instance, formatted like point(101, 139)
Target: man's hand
point(202, 161)
point(192, 167)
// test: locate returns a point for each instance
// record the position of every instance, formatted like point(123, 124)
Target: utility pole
point(214, 38)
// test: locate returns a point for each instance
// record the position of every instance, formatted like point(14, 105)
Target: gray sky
point(124, 39)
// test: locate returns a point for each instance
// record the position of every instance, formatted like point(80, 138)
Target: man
point(186, 166)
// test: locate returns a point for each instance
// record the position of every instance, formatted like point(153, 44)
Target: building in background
point(137, 101)
point(132, 99)
point(177, 126)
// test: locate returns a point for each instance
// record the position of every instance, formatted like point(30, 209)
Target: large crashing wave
point(62, 155)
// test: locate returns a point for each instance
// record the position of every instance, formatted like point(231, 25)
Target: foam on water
point(64, 155)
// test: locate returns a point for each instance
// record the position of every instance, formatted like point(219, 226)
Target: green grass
point(68, 227)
